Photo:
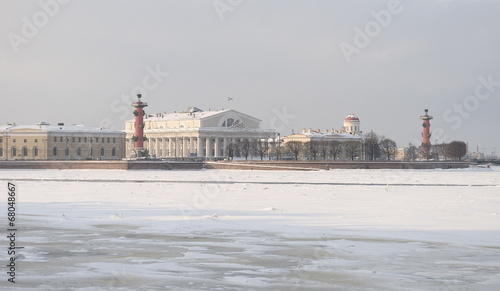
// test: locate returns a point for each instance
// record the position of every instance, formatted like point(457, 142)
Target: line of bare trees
point(371, 147)
point(262, 148)
point(454, 151)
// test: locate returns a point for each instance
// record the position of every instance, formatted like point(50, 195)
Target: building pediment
point(230, 119)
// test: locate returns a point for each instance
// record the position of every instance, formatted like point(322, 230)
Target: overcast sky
point(293, 64)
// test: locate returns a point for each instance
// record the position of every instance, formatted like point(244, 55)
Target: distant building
point(43, 141)
point(352, 125)
point(401, 154)
point(318, 135)
point(351, 131)
point(194, 133)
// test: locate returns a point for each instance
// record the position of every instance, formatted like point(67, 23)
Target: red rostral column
point(139, 124)
point(426, 131)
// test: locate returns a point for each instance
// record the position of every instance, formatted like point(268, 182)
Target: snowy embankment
point(258, 230)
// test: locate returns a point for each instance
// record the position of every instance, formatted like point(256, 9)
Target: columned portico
point(164, 152)
point(224, 147)
point(178, 148)
point(184, 147)
point(171, 147)
point(191, 146)
point(200, 147)
point(217, 147)
point(157, 147)
point(150, 146)
point(208, 153)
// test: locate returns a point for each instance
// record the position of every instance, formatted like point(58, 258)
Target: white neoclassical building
point(194, 133)
point(351, 131)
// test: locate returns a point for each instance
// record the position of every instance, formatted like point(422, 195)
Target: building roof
point(46, 127)
point(191, 113)
point(315, 134)
point(351, 117)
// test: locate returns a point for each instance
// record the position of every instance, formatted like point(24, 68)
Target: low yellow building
point(43, 141)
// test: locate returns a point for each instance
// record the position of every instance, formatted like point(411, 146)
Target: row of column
point(189, 147)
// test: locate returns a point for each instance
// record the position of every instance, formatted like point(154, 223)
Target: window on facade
point(102, 152)
point(1, 140)
point(1, 152)
point(113, 152)
point(66, 152)
point(73, 139)
point(228, 122)
point(114, 140)
point(54, 151)
point(36, 140)
point(25, 151)
point(79, 152)
point(91, 152)
point(35, 152)
point(14, 140)
point(102, 140)
point(85, 139)
point(109, 139)
point(25, 140)
point(14, 152)
point(55, 138)
point(60, 139)
point(79, 139)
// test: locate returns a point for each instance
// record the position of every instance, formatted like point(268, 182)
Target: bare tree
point(253, 149)
point(323, 148)
point(245, 148)
point(425, 150)
point(278, 147)
point(294, 147)
point(231, 149)
point(262, 147)
point(351, 149)
point(272, 150)
point(437, 150)
point(411, 152)
point(334, 148)
point(456, 150)
point(312, 149)
point(388, 147)
point(372, 148)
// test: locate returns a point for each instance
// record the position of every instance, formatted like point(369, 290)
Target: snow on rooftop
point(46, 127)
point(330, 134)
point(190, 113)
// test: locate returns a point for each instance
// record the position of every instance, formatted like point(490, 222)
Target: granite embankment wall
point(106, 165)
point(327, 165)
point(228, 165)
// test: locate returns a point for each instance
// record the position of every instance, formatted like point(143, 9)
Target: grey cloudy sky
point(293, 64)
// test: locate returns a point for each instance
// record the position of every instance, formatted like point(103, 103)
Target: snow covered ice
point(257, 230)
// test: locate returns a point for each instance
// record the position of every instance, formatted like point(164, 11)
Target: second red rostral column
point(426, 132)
point(139, 137)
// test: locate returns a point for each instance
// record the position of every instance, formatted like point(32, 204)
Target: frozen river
point(256, 230)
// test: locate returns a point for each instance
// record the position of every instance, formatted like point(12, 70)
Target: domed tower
point(352, 124)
